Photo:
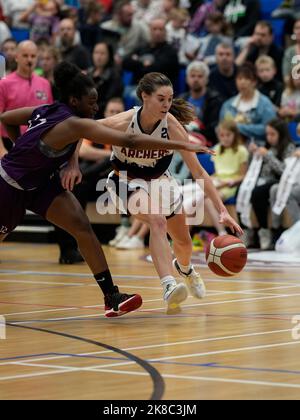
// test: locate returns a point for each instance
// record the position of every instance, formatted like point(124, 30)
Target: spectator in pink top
point(22, 88)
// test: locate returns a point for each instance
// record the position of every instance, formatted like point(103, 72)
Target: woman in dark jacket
point(105, 75)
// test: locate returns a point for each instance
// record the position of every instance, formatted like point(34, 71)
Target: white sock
point(185, 268)
point(167, 280)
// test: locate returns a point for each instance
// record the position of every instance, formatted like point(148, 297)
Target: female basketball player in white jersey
point(160, 116)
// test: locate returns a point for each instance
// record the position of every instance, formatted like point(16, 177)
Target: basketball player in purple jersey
point(27, 172)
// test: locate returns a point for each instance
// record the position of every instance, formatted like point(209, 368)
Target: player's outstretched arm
point(104, 135)
point(17, 116)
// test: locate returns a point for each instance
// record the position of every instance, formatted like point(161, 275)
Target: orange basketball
point(226, 255)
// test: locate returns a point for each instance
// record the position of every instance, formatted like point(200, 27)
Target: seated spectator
point(250, 109)
point(156, 56)
point(50, 57)
point(90, 31)
point(185, 44)
point(261, 43)
point(13, 9)
point(293, 51)
point(106, 76)
point(222, 77)
point(43, 19)
point(279, 147)
point(231, 163)
point(243, 16)
point(268, 85)
point(9, 50)
point(217, 29)
point(291, 207)
point(132, 34)
point(197, 74)
point(168, 6)
point(147, 10)
point(69, 48)
point(290, 100)
point(197, 24)
point(113, 107)
point(206, 101)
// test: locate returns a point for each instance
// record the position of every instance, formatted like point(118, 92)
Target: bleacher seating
point(293, 132)
point(20, 34)
point(267, 7)
point(206, 162)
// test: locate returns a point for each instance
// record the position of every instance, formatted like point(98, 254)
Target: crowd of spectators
point(225, 57)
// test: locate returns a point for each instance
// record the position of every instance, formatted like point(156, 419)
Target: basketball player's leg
point(160, 249)
point(66, 212)
point(182, 245)
point(12, 208)
point(158, 242)
point(2, 237)
point(182, 242)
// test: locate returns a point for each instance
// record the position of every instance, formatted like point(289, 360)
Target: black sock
point(105, 282)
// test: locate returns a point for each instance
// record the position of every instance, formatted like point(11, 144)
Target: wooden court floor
point(238, 343)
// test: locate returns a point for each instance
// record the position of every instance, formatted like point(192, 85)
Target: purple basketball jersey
point(31, 162)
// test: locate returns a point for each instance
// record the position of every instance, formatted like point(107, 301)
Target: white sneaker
point(265, 239)
point(174, 294)
point(131, 243)
point(121, 231)
point(122, 242)
point(193, 281)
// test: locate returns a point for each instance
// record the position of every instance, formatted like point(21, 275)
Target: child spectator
point(185, 44)
point(268, 85)
point(43, 19)
point(290, 101)
point(231, 163)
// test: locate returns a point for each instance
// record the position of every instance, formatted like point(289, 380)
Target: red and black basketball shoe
point(118, 304)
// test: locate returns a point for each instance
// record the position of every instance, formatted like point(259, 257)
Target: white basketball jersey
point(124, 158)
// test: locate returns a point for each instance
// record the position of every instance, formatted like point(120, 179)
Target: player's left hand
point(227, 220)
point(70, 176)
point(198, 148)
